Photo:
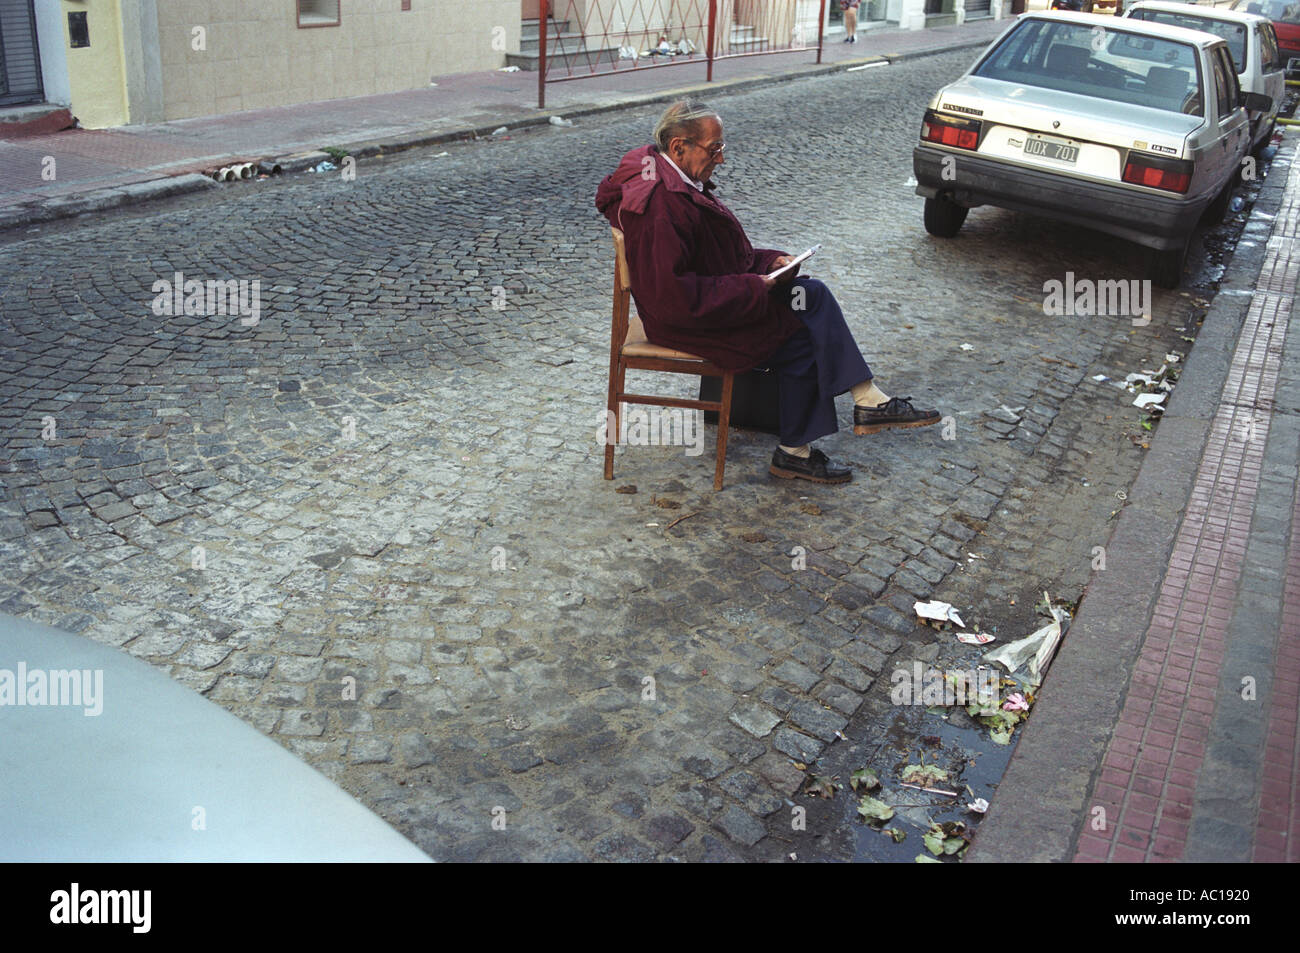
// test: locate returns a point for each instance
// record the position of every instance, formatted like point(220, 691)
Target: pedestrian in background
point(850, 8)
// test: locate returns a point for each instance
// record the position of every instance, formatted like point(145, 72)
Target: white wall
point(52, 42)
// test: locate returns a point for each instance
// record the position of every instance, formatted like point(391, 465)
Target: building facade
point(113, 62)
point(131, 61)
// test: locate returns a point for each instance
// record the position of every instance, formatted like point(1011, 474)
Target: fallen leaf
point(925, 775)
point(629, 488)
point(812, 509)
point(820, 786)
point(864, 778)
point(875, 812)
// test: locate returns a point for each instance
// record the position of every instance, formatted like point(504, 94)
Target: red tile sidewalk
point(1148, 777)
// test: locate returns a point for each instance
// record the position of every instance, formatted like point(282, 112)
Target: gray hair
point(681, 119)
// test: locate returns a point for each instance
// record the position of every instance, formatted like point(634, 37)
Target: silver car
point(1251, 40)
point(1134, 129)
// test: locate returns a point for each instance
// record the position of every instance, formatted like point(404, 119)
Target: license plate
point(1051, 149)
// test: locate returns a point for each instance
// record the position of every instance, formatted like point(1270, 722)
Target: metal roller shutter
point(20, 64)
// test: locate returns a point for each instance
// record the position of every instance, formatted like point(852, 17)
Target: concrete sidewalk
point(1166, 729)
point(98, 169)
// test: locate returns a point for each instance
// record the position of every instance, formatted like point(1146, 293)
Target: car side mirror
point(1257, 102)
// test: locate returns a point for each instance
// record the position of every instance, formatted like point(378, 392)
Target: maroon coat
point(695, 277)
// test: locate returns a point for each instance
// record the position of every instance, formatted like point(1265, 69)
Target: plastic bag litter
point(561, 121)
point(1036, 649)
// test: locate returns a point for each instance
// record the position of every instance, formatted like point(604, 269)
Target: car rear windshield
point(1102, 62)
point(1282, 11)
point(1234, 34)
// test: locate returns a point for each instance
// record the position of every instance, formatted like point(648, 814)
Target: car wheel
point(1216, 210)
point(944, 217)
point(1167, 264)
point(1267, 139)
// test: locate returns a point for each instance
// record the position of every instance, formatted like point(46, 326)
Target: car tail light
point(950, 130)
point(1171, 175)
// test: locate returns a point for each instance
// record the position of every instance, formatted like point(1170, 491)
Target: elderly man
point(701, 287)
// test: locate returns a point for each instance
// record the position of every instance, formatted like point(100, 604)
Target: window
point(1234, 34)
point(1127, 68)
point(1268, 48)
point(1230, 97)
point(318, 13)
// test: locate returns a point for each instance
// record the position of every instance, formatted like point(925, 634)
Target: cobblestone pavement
point(528, 645)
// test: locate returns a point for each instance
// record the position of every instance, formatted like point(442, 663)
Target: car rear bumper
point(1150, 220)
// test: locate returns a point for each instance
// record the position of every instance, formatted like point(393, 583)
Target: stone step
point(565, 42)
point(532, 29)
point(754, 44)
point(38, 119)
point(577, 58)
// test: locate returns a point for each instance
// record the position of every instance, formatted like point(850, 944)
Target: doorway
point(20, 62)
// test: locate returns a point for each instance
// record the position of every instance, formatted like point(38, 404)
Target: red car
point(1286, 23)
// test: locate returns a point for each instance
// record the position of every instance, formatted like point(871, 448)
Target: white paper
point(939, 611)
point(797, 262)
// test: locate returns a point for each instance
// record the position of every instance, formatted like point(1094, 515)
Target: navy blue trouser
point(817, 364)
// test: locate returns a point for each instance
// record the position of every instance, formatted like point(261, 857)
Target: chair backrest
point(628, 328)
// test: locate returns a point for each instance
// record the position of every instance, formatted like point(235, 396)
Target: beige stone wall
point(256, 55)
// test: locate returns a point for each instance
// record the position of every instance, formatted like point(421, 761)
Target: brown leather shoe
point(895, 412)
point(816, 467)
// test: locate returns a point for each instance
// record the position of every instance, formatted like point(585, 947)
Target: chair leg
point(724, 420)
point(614, 415)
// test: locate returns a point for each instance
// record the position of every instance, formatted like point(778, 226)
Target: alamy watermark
point(654, 427)
point(1086, 297)
point(930, 686)
point(208, 298)
point(56, 687)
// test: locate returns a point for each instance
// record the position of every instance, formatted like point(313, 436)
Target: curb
point(98, 200)
point(1040, 806)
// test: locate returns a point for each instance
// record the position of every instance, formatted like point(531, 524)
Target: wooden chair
point(630, 350)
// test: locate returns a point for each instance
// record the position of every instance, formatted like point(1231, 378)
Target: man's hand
point(788, 277)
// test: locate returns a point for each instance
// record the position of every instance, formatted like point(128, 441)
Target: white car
point(105, 759)
point(1131, 128)
point(1251, 41)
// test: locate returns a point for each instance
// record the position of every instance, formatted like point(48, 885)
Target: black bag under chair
point(755, 401)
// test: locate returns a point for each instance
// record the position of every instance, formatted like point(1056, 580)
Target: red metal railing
point(579, 39)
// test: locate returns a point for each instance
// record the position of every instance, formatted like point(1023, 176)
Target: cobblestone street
point(393, 477)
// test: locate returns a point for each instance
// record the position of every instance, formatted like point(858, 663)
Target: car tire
point(944, 217)
point(1167, 264)
point(1266, 140)
point(1218, 209)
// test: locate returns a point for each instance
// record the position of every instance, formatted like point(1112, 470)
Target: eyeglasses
point(713, 151)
